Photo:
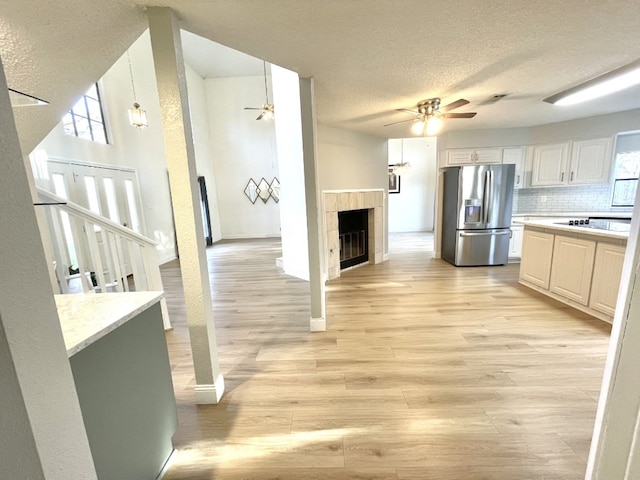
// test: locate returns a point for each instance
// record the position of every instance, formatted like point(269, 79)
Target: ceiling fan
point(429, 115)
point(266, 110)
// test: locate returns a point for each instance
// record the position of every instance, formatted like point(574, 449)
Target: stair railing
point(110, 257)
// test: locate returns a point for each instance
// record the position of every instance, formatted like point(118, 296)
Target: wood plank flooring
point(425, 372)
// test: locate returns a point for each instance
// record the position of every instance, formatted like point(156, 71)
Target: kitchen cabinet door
point(549, 164)
point(515, 155)
point(572, 268)
point(537, 252)
point(460, 156)
point(590, 161)
point(607, 270)
point(515, 244)
point(486, 156)
point(473, 156)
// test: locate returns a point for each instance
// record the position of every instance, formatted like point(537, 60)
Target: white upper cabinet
point(516, 156)
point(590, 161)
point(550, 164)
point(473, 156)
point(581, 162)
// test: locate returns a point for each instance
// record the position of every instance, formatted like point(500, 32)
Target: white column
point(42, 435)
point(615, 447)
point(312, 197)
point(178, 139)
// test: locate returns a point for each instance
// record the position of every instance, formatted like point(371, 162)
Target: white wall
point(413, 209)
point(352, 161)
point(293, 204)
point(202, 145)
point(241, 148)
point(142, 149)
point(349, 160)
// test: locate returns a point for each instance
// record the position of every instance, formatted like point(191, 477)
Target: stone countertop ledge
point(87, 317)
point(551, 225)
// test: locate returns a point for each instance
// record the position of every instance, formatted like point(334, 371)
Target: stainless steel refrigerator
point(476, 217)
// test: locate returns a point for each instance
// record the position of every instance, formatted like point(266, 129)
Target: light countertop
point(550, 225)
point(87, 317)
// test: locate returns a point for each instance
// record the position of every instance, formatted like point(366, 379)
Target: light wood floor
point(426, 371)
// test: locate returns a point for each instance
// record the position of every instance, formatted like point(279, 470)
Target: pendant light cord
point(133, 87)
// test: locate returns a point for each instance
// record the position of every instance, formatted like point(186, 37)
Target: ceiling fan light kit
point(429, 115)
point(614, 81)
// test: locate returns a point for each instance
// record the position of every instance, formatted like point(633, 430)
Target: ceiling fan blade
point(401, 121)
point(456, 104)
point(252, 108)
point(460, 115)
point(407, 111)
point(260, 116)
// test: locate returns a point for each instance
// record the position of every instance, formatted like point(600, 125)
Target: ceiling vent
point(493, 99)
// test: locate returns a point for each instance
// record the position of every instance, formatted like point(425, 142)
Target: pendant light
point(137, 116)
point(402, 166)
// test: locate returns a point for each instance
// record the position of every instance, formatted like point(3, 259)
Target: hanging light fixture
point(402, 166)
point(137, 116)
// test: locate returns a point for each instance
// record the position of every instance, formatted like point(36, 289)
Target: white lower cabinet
point(607, 270)
point(581, 272)
point(572, 268)
point(515, 244)
point(537, 252)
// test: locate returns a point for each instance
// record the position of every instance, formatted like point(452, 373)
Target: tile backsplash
point(587, 198)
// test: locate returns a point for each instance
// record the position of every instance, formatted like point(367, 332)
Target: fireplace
point(336, 202)
point(353, 235)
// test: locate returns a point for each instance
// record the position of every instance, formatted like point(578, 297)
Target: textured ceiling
point(367, 58)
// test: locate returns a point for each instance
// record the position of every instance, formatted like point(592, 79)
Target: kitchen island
point(576, 264)
point(118, 355)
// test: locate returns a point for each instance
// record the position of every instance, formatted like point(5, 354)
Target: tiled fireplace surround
point(335, 201)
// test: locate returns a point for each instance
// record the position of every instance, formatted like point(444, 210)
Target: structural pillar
point(178, 139)
point(42, 434)
point(615, 447)
point(312, 195)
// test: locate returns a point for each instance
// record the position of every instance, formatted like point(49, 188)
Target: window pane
point(92, 92)
point(92, 194)
point(67, 124)
point(112, 204)
point(98, 132)
point(80, 108)
point(94, 109)
point(627, 165)
point(86, 109)
point(82, 126)
point(133, 205)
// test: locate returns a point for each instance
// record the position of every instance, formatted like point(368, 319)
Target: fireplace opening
point(353, 234)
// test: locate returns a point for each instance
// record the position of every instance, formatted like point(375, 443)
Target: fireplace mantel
point(335, 201)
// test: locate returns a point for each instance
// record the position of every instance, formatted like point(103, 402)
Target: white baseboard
point(301, 274)
point(279, 262)
point(210, 394)
point(244, 236)
point(385, 257)
point(318, 325)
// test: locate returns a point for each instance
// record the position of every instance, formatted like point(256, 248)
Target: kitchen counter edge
point(87, 317)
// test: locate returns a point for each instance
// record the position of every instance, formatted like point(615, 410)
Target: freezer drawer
point(482, 247)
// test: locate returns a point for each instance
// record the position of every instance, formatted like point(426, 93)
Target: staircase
point(103, 255)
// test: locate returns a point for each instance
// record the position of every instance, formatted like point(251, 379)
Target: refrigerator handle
point(487, 200)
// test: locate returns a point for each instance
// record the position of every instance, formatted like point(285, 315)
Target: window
point(626, 170)
point(85, 119)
